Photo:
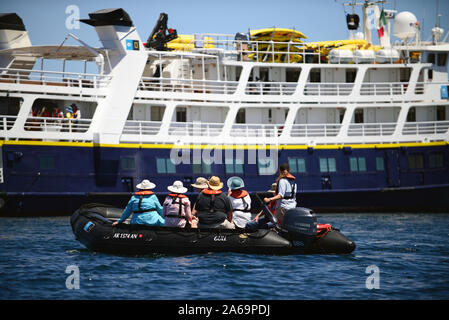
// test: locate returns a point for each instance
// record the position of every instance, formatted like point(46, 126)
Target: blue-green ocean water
point(410, 251)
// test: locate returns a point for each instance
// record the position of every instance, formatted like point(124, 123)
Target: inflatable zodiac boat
point(92, 226)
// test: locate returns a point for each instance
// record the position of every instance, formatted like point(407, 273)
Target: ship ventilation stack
point(14, 35)
point(116, 32)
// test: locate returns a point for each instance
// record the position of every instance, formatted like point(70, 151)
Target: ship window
point(441, 113)
point(404, 74)
point(297, 165)
point(315, 75)
point(202, 168)
point(436, 160)
point(328, 165)
point(46, 162)
point(431, 58)
point(411, 115)
point(234, 166)
point(128, 163)
point(380, 164)
point(241, 116)
point(415, 161)
point(265, 167)
point(350, 75)
point(357, 164)
point(181, 114)
point(157, 112)
point(358, 116)
point(292, 75)
point(165, 165)
point(442, 57)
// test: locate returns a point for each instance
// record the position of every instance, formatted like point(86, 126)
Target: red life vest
point(144, 193)
point(210, 191)
point(239, 193)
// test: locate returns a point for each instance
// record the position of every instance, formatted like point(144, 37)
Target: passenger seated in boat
point(260, 221)
point(144, 207)
point(285, 192)
point(240, 201)
point(213, 207)
point(176, 207)
point(200, 184)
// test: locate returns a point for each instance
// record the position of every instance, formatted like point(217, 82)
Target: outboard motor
point(301, 224)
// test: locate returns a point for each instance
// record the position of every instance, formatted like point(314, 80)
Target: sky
point(320, 20)
point(45, 20)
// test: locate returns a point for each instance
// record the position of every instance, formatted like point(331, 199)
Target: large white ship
point(362, 126)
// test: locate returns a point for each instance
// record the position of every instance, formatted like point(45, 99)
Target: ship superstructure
point(362, 126)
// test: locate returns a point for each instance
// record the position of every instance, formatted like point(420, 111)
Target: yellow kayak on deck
point(276, 32)
point(186, 42)
point(278, 57)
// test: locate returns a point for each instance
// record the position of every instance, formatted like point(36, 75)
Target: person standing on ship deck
point(285, 193)
point(144, 206)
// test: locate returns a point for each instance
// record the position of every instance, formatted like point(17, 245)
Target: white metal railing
point(371, 129)
point(50, 124)
point(195, 129)
point(328, 89)
point(187, 85)
point(384, 88)
point(427, 127)
point(264, 51)
point(7, 122)
point(61, 79)
point(315, 130)
point(256, 130)
point(142, 127)
point(270, 88)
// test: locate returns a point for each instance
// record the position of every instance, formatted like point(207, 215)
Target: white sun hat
point(146, 185)
point(177, 187)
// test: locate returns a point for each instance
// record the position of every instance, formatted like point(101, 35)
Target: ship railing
point(328, 89)
point(51, 124)
point(142, 127)
point(425, 127)
point(371, 129)
point(256, 130)
point(195, 129)
point(270, 88)
point(187, 85)
point(54, 78)
point(7, 122)
point(385, 88)
point(315, 130)
point(250, 50)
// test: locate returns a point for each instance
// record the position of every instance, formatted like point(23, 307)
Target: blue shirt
point(152, 218)
point(285, 189)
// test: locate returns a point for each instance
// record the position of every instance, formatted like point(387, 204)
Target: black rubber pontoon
point(92, 226)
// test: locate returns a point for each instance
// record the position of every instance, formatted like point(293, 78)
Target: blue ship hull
point(54, 178)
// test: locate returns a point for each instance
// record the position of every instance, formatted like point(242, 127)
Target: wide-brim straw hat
point(273, 187)
point(146, 185)
point(200, 183)
point(177, 187)
point(215, 183)
point(235, 183)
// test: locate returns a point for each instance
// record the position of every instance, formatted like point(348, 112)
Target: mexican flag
point(381, 25)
